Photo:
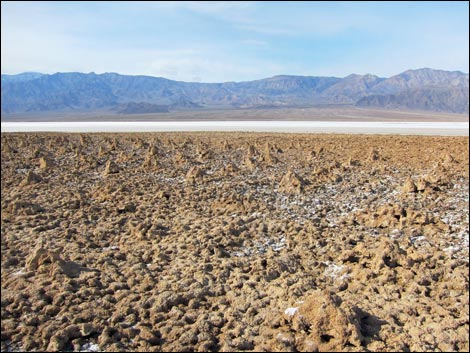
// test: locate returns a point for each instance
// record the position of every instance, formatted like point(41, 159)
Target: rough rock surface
point(185, 242)
point(291, 182)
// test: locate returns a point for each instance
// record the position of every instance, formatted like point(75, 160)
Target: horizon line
point(161, 77)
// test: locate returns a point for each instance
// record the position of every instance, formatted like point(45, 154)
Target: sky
point(233, 41)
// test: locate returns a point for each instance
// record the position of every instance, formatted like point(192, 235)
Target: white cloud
point(255, 43)
point(216, 69)
point(63, 55)
point(46, 37)
point(215, 7)
point(50, 46)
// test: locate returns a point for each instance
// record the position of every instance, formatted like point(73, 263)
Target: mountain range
point(421, 89)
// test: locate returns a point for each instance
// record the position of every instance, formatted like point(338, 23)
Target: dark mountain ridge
point(423, 89)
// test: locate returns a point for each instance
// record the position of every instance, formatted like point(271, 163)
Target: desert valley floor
point(234, 242)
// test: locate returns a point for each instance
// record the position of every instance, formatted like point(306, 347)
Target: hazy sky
point(234, 41)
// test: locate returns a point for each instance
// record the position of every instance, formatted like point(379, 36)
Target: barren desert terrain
point(343, 113)
point(234, 242)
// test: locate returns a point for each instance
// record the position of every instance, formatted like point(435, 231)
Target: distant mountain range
point(422, 89)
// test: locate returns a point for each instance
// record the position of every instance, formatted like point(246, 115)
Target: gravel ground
point(234, 242)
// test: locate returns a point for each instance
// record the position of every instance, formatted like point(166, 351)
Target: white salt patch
point(18, 273)
point(90, 347)
point(396, 233)
point(417, 239)
point(280, 245)
point(413, 128)
point(333, 270)
point(452, 249)
point(261, 247)
point(282, 337)
point(238, 254)
point(291, 311)
point(114, 247)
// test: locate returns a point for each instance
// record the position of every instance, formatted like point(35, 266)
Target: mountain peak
point(423, 88)
point(22, 77)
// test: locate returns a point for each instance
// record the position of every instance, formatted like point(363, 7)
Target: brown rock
point(101, 151)
point(41, 256)
point(373, 155)
point(153, 150)
point(45, 163)
point(269, 159)
point(110, 168)
point(204, 155)
point(30, 178)
point(106, 336)
point(248, 162)
point(72, 331)
point(409, 186)
point(150, 162)
point(291, 183)
point(336, 178)
point(226, 146)
point(87, 329)
point(149, 335)
point(251, 151)
point(230, 168)
point(448, 158)
point(126, 207)
point(57, 343)
point(179, 158)
point(194, 175)
point(351, 163)
point(422, 184)
point(332, 325)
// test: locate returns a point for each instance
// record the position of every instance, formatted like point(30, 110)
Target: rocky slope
point(438, 99)
point(234, 242)
point(25, 76)
point(413, 89)
point(417, 79)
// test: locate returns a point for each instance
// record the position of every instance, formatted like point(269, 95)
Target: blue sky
point(234, 41)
